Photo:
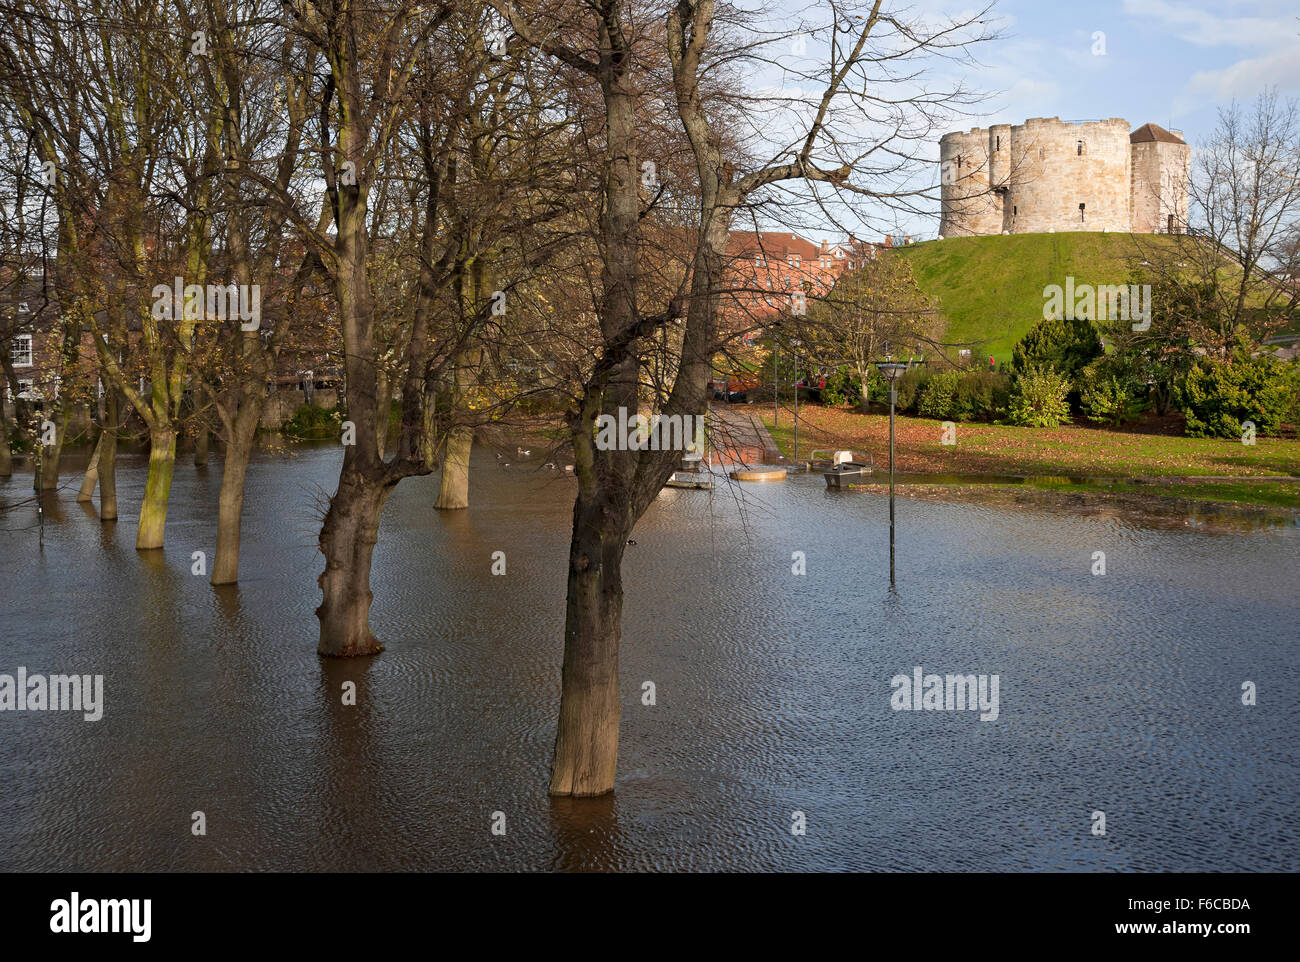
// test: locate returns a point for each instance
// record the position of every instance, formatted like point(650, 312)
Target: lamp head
point(892, 370)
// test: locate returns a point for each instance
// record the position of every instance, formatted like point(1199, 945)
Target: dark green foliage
point(1218, 397)
point(843, 386)
point(1060, 345)
point(909, 388)
point(982, 395)
point(1108, 394)
point(311, 423)
point(964, 395)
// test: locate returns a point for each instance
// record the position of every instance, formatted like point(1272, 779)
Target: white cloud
point(1206, 29)
point(1263, 30)
point(1243, 80)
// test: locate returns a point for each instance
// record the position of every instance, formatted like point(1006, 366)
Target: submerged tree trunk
point(586, 740)
point(453, 487)
point(230, 504)
point(230, 512)
point(6, 453)
point(87, 492)
point(157, 488)
point(347, 539)
point(201, 439)
point(108, 459)
point(53, 453)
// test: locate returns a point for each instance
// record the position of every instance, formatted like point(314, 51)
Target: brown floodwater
point(1118, 693)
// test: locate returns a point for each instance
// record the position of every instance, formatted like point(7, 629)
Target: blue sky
point(1169, 62)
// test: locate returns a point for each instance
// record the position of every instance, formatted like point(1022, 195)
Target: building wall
point(766, 268)
point(1160, 173)
point(1061, 166)
point(968, 204)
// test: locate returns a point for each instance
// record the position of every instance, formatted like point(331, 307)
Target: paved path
point(738, 436)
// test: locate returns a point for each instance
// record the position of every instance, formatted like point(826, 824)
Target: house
point(771, 273)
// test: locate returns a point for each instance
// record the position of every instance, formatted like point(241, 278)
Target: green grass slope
point(990, 289)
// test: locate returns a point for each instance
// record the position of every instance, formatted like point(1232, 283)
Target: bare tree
point(1232, 272)
point(616, 486)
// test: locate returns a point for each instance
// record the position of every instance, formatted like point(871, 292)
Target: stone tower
point(1160, 172)
point(1045, 175)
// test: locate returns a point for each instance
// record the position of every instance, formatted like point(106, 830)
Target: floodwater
point(1118, 693)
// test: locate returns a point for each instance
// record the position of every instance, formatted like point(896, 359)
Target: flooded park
point(772, 689)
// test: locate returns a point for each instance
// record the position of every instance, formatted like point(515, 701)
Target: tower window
point(998, 143)
point(1081, 207)
point(1079, 146)
point(1013, 210)
point(959, 161)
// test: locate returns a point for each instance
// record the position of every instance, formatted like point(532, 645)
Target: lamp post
point(776, 390)
point(892, 371)
point(795, 345)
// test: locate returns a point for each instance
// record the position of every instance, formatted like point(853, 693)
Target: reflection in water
point(1118, 692)
point(585, 832)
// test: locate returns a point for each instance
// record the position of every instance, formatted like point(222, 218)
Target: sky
point(1169, 62)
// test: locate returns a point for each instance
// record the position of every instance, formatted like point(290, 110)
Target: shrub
point(1039, 399)
point(964, 395)
point(982, 395)
point(1217, 396)
point(909, 388)
point(1107, 395)
point(1057, 344)
point(311, 423)
point(938, 398)
point(843, 386)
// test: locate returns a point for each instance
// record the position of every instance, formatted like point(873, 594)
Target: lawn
point(990, 289)
point(1067, 451)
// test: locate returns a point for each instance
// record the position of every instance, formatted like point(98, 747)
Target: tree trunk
point(6, 455)
point(230, 513)
point(383, 414)
point(230, 504)
point(201, 447)
point(108, 460)
point(87, 492)
point(453, 488)
point(157, 488)
point(53, 453)
point(347, 539)
point(586, 739)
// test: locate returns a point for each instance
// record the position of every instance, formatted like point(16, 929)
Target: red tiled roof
point(771, 244)
point(1153, 132)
